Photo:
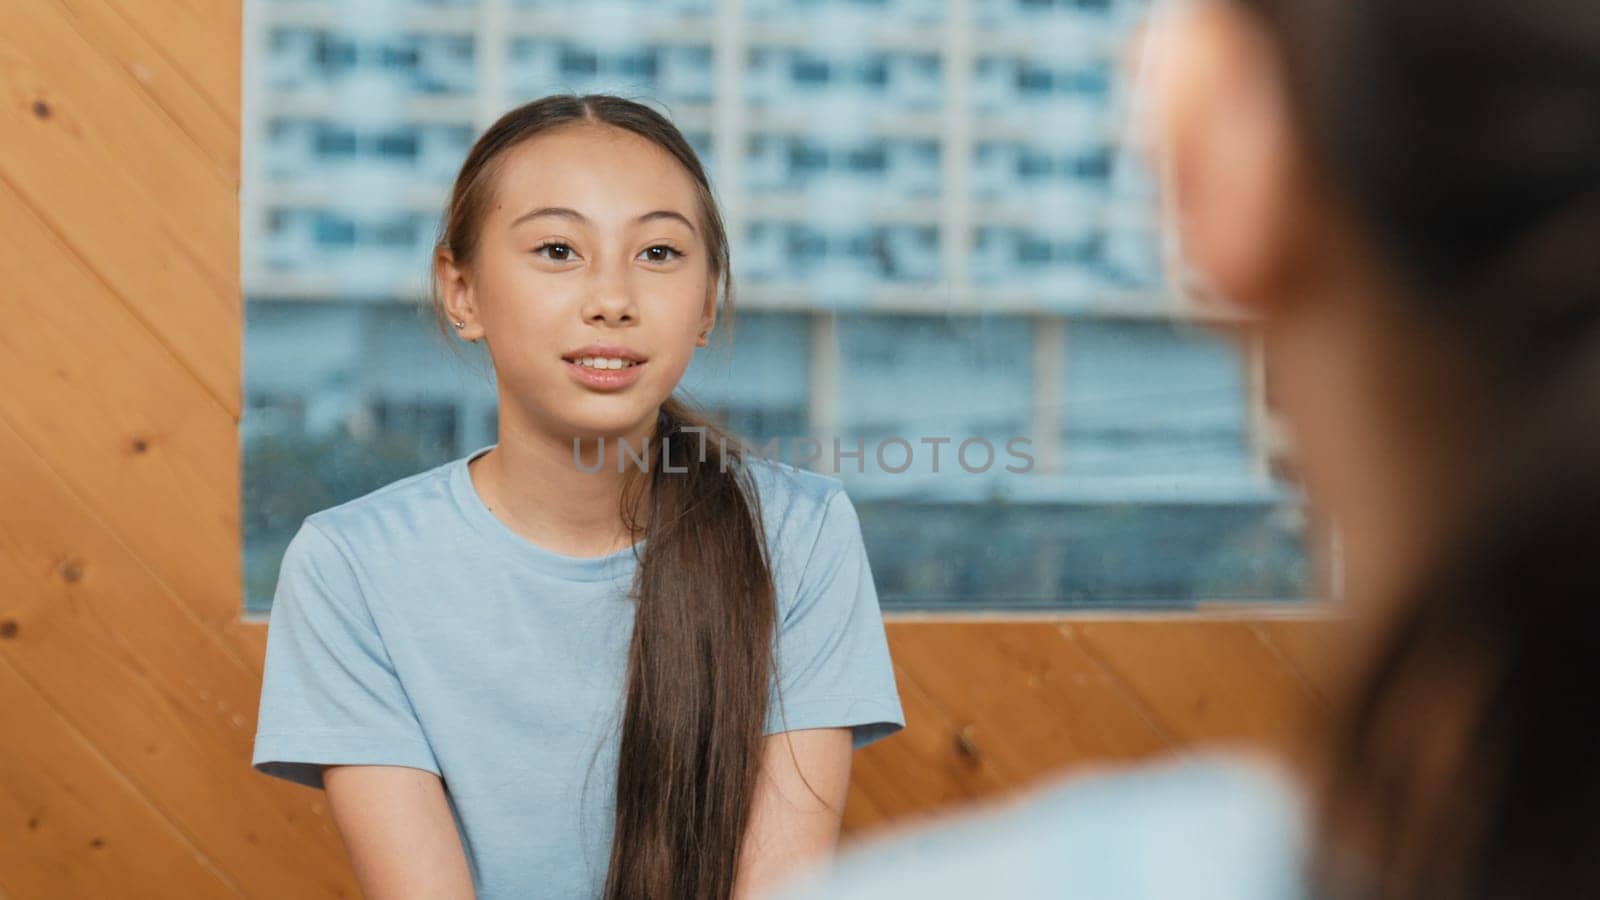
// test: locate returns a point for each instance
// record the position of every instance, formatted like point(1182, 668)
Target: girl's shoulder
point(791, 489)
point(405, 511)
point(805, 514)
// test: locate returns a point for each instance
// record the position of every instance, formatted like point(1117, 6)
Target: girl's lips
point(604, 379)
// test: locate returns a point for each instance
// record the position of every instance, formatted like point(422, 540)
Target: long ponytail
point(697, 671)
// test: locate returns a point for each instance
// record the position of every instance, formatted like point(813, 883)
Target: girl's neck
point(533, 483)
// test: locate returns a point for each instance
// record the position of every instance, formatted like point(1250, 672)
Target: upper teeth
point(604, 362)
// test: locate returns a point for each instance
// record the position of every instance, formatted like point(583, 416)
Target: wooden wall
point(128, 683)
point(993, 704)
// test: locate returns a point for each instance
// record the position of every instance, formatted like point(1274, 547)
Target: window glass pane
point(1152, 399)
point(960, 283)
point(756, 375)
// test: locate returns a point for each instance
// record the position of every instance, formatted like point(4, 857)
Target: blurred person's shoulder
point(1226, 824)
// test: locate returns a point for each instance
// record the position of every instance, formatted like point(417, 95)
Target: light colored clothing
point(1213, 827)
point(411, 627)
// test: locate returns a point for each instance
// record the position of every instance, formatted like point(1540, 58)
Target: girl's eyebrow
point(669, 214)
point(568, 213)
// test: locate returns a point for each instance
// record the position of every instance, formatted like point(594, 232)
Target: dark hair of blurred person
point(1459, 146)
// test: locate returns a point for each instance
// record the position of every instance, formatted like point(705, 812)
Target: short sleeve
point(329, 692)
point(832, 656)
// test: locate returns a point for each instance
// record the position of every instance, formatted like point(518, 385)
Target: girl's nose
point(611, 302)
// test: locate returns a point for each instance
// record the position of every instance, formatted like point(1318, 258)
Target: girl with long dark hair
point(1406, 195)
point(613, 654)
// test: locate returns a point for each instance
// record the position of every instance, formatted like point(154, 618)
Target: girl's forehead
point(601, 171)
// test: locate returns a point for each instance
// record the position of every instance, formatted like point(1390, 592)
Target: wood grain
point(95, 157)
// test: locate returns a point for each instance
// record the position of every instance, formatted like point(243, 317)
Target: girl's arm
point(794, 818)
point(397, 828)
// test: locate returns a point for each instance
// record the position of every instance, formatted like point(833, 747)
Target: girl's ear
point(456, 291)
point(1233, 170)
point(708, 320)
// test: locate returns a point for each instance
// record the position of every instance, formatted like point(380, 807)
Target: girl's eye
point(660, 253)
point(557, 251)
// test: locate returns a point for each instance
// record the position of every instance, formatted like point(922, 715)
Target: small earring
point(460, 325)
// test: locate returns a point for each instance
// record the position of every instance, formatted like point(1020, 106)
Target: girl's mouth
point(604, 373)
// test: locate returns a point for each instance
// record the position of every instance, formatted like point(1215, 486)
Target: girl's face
point(592, 249)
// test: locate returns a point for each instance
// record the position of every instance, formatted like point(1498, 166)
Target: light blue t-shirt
point(411, 627)
point(1218, 826)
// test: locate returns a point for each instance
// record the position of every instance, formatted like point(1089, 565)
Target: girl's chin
point(618, 421)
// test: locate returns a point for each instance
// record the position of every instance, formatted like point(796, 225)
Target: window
point(1153, 399)
point(333, 231)
point(334, 142)
point(1093, 164)
point(401, 145)
point(809, 71)
point(398, 56)
point(575, 61)
point(805, 158)
point(426, 425)
point(875, 71)
point(1094, 447)
point(869, 159)
point(333, 54)
point(1032, 163)
point(401, 233)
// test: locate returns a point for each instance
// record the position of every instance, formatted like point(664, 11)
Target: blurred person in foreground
point(1405, 195)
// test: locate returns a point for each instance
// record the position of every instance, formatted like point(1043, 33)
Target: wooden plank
point(160, 695)
point(1031, 698)
point(249, 640)
point(1308, 647)
point(861, 813)
point(1026, 699)
point(924, 766)
point(136, 200)
point(123, 422)
point(201, 38)
point(1203, 681)
point(190, 102)
point(110, 108)
point(73, 826)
